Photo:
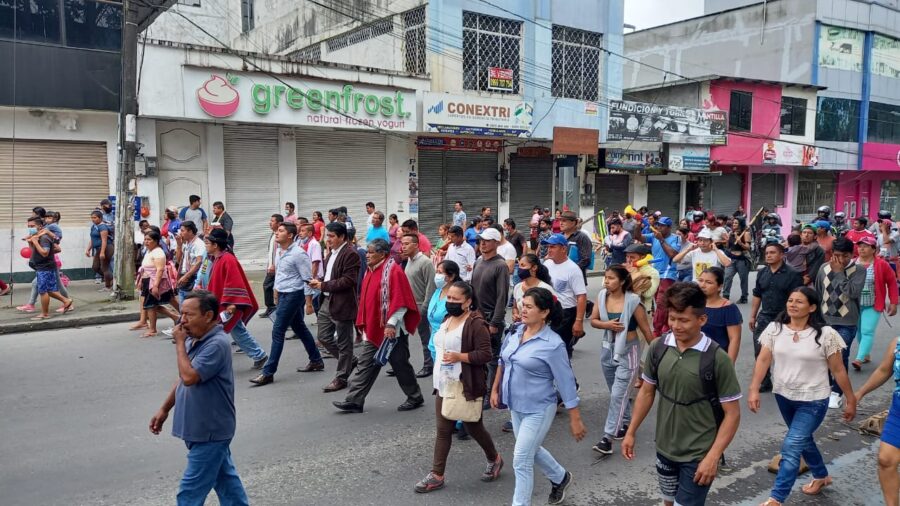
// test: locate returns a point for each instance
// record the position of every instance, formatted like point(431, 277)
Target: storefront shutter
point(766, 190)
point(471, 178)
point(68, 177)
point(431, 193)
point(251, 189)
point(722, 194)
point(530, 184)
point(340, 168)
point(611, 191)
point(665, 196)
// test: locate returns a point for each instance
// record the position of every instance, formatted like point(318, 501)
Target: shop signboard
point(633, 159)
point(789, 153)
point(470, 115)
point(259, 98)
point(638, 121)
point(885, 56)
point(500, 79)
point(459, 144)
point(841, 48)
point(685, 158)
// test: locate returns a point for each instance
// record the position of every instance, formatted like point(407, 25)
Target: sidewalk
point(92, 307)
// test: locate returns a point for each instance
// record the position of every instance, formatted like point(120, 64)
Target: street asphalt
point(77, 403)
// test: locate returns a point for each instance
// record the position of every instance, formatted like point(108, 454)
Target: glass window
point(837, 120)
point(414, 40)
point(37, 20)
point(246, 15)
point(490, 41)
point(576, 63)
point(890, 197)
point(793, 116)
point(6, 18)
point(741, 110)
point(884, 123)
point(93, 24)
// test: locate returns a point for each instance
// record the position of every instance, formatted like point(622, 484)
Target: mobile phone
point(225, 316)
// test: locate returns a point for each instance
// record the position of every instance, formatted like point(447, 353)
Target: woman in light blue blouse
point(533, 366)
point(446, 274)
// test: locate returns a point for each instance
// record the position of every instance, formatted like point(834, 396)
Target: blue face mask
point(439, 281)
point(32, 230)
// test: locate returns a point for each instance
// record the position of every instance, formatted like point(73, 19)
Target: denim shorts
point(676, 482)
point(46, 282)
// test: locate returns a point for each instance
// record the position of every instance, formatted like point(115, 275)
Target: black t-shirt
point(518, 242)
point(39, 262)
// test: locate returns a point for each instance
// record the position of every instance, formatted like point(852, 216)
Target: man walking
point(461, 252)
point(459, 215)
point(339, 302)
point(307, 241)
point(664, 246)
point(269, 283)
point(571, 291)
point(774, 283)
point(293, 271)
point(387, 310)
point(568, 224)
point(188, 256)
point(840, 285)
point(411, 227)
point(195, 213)
point(490, 281)
point(221, 219)
point(203, 398)
point(376, 228)
point(44, 265)
point(420, 272)
point(815, 257)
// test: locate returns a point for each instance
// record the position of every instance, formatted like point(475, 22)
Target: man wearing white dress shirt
point(461, 252)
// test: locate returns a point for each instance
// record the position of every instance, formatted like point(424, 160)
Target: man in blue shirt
point(664, 245)
point(196, 214)
point(293, 271)
point(459, 216)
point(377, 230)
point(203, 399)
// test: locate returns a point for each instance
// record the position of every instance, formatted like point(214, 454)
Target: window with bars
point(490, 41)
point(362, 34)
point(308, 53)
point(793, 116)
point(576, 63)
point(414, 40)
point(247, 20)
point(741, 110)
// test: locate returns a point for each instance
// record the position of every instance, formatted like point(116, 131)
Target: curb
point(73, 322)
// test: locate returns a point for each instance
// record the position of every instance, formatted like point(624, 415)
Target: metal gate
point(722, 194)
point(766, 190)
point(611, 191)
point(665, 196)
point(530, 184)
point(448, 176)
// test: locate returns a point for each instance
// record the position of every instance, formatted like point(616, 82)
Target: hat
point(637, 248)
point(556, 240)
point(810, 226)
point(569, 215)
point(665, 220)
point(867, 239)
point(823, 224)
point(657, 214)
point(705, 234)
point(490, 234)
point(174, 209)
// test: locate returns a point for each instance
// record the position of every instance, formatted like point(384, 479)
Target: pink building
point(876, 187)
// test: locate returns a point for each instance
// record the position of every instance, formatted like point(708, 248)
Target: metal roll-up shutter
point(665, 196)
point(69, 177)
point(251, 189)
point(340, 168)
point(766, 190)
point(722, 194)
point(530, 184)
point(431, 192)
point(611, 191)
point(471, 178)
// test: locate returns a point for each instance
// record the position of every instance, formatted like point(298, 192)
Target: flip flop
point(149, 334)
point(68, 308)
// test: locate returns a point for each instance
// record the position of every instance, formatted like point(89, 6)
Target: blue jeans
point(245, 341)
point(182, 294)
point(684, 274)
point(210, 466)
point(848, 332)
point(530, 430)
point(802, 419)
point(289, 312)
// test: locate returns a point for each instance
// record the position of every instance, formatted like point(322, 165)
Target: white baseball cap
point(705, 234)
point(490, 234)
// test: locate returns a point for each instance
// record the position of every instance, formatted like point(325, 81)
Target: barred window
point(576, 63)
point(362, 34)
point(414, 40)
point(489, 41)
point(308, 53)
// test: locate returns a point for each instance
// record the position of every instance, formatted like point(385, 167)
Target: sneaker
point(97, 281)
point(169, 331)
point(238, 351)
point(429, 483)
point(742, 300)
point(603, 446)
point(507, 426)
point(492, 470)
point(835, 400)
point(28, 308)
point(558, 492)
point(621, 434)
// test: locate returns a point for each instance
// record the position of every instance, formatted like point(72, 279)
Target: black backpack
point(707, 377)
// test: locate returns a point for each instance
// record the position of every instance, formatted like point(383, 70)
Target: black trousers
point(369, 368)
point(565, 329)
point(269, 290)
point(496, 342)
point(762, 321)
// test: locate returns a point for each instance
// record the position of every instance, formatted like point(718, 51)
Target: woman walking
point(881, 283)
point(619, 313)
point(101, 248)
point(533, 365)
point(318, 225)
point(156, 287)
point(446, 274)
point(802, 351)
point(739, 252)
point(463, 344)
point(723, 318)
point(533, 274)
point(889, 451)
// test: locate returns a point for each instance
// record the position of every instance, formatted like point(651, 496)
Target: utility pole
point(124, 241)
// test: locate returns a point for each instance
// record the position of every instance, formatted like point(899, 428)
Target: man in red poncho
point(387, 310)
point(230, 286)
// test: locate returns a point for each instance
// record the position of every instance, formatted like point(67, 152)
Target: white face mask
point(439, 281)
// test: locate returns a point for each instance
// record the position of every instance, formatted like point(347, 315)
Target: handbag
point(383, 355)
point(455, 406)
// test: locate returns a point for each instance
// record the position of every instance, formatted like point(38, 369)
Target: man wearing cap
point(616, 241)
point(568, 224)
point(490, 281)
point(816, 255)
point(664, 245)
point(571, 291)
point(703, 254)
point(644, 278)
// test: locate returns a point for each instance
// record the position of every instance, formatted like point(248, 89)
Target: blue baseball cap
point(556, 240)
point(665, 220)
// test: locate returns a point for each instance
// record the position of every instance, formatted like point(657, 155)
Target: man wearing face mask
point(420, 273)
point(290, 215)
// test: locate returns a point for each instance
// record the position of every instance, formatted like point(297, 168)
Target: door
point(665, 196)
point(611, 192)
point(182, 163)
point(722, 194)
point(448, 176)
point(530, 184)
point(766, 190)
point(432, 202)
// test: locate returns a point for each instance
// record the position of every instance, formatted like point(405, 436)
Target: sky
point(649, 13)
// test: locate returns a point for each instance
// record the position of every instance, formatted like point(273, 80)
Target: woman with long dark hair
point(619, 313)
point(318, 225)
point(156, 287)
point(541, 364)
point(533, 274)
point(723, 318)
point(739, 252)
point(802, 350)
point(446, 274)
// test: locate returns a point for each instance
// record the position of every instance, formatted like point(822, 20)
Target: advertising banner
point(885, 56)
point(500, 79)
point(258, 98)
point(688, 158)
point(454, 144)
point(665, 123)
point(633, 159)
point(877, 156)
point(787, 153)
point(841, 48)
point(465, 115)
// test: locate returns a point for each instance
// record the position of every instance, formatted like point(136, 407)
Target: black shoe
point(621, 434)
point(424, 372)
point(348, 407)
point(603, 446)
point(462, 434)
point(411, 405)
point(742, 300)
point(486, 404)
point(268, 312)
point(261, 380)
point(507, 426)
point(558, 492)
point(260, 363)
point(390, 372)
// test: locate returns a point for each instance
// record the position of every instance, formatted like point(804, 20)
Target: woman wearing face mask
point(619, 314)
point(446, 274)
point(533, 275)
point(463, 344)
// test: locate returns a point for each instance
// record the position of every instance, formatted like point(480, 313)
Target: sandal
point(138, 326)
point(148, 334)
point(770, 502)
point(816, 485)
point(856, 365)
point(68, 308)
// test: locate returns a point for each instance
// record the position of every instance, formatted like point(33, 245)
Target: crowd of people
point(498, 312)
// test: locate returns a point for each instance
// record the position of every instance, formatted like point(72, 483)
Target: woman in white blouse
point(802, 350)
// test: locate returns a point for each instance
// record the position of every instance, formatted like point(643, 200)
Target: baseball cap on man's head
point(490, 234)
point(665, 221)
point(705, 234)
point(638, 249)
point(867, 239)
point(555, 240)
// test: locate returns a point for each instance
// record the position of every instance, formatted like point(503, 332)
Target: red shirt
point(854, 235)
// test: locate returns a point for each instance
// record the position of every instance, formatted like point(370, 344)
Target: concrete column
point(215, 158)
point(287, 166)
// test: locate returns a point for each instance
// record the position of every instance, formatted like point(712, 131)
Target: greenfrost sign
point(256, 98)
